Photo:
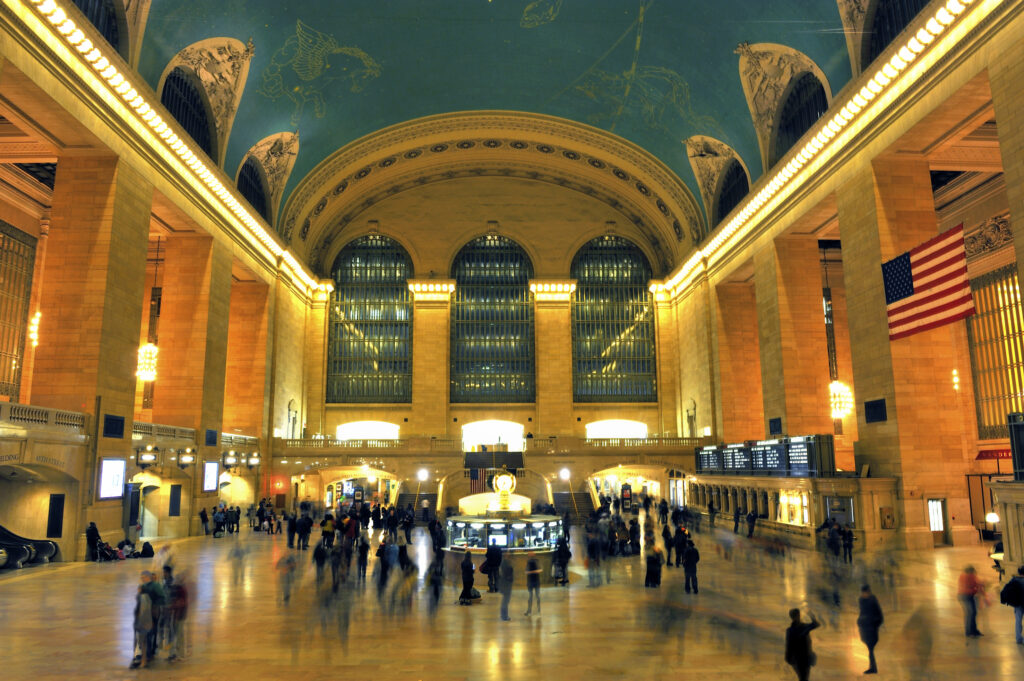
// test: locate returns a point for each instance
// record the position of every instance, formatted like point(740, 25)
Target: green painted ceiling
point(652, 71)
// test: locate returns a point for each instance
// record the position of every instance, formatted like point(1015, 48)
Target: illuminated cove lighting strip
point(162, 138)
point(860, 110)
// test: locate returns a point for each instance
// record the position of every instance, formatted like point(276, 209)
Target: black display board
point(809, 456)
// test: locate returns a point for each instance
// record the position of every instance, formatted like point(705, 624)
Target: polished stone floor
point(74, 622)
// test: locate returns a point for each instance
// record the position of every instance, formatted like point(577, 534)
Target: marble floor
point(74, 622)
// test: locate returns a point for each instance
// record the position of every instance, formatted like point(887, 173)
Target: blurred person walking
point(968, 589)
point(506, 578)
point(532, 582)
point(655, 558)
point(691, 556)
point(868, 623)
point(1013, 596)
point(466, 597)
point(799, 653)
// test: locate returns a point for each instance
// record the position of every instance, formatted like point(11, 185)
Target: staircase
point(578, 511)
point(417, 500)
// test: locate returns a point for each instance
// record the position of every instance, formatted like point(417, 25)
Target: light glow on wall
point(617, 428)
point(493, 432)
point(33, 328)
point(367, 430)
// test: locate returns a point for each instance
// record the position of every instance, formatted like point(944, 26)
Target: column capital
point(322, 293)
point(552, 290)
point(431, 290)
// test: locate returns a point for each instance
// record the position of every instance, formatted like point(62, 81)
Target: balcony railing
point(538, 445)
point(27, 416)
point(329, 443)
point(142, 430)
point(240, 441)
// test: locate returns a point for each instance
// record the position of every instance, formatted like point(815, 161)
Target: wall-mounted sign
point(211, 473)
point(112, 478)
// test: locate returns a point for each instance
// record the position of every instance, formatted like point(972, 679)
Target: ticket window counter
point(793, 508)
point(840, 509)
point(535, 533)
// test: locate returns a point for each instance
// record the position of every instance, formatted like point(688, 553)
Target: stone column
point(245, 376)
point(885, 210)
point(791, 336)
point(318, 323)
point(193, 342)
point(1006, 73)
point(552, 301)
point(739, 363)
point(667, 352)
point(431, 321)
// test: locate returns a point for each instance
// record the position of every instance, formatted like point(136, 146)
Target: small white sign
point(112, 478)
point(211, 473)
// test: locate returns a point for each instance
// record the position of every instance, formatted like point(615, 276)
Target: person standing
point(304, 527)
point(532, 581)
point(666, 536)
point(663, 512)
point(491, 567)
point(362, 557)
point(292, 526)
point(868, 622)
point(562, 556)
point(679, 543)
point(691, 556)
point(1013, 595)
point(153, 588)
point(751, 521)
point(848, 540)
point(736, 515)
point(143, 624)
point(652, 580)
point(799, 654)
point(968, 588)
point(92, 542)
point(506, 577)
point(425, 509)
point(204, 518)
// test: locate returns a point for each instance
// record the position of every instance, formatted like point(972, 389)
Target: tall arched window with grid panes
point(369, 347)
point(184, 100)
point(802, 107)
point(613, 335)
point(887, 20)
point(492, 327)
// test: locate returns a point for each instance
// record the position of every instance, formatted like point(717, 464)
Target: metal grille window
point(250, 183)
point(995, 334)
point(44, 173)
point(369, 351)
point(184, 101)
point(492, 323)
point(613, 339)
point(17, 259)
point(805, 104)
point(734, 186)
point(891, 17)
point(103, 16)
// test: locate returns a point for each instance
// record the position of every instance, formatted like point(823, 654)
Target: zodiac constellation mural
point(540, 12)
point(303, 68)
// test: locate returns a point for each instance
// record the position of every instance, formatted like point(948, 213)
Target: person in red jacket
point(969, 587)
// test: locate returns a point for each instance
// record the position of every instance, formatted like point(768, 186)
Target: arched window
point(805, 104)
point(492, 323)
point(103, 16)
point(732, 187)
point(250, 183)
point(890, 18)
point(613, 353)
point(369, 347)
point(184, 101)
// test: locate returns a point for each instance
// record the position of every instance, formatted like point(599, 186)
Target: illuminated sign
point(112, 478)
point(211, 472)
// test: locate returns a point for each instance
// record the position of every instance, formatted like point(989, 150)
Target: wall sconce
point(230, 459)
point(33, 329)
point(254, 460)
point(146, 371)
point(186, 458)
point(147, 457)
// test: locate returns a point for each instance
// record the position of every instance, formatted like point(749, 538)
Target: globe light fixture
point(564, 474)
point(422, 475)
point(992, 517)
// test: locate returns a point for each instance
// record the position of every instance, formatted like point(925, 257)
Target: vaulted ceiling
point(654, 72)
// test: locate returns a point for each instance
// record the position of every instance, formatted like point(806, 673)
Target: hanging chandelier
point(840, 399)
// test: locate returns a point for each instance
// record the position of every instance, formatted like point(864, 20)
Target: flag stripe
point(967, 312)
point(937, 290)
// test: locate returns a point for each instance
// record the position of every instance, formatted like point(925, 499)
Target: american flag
point(477, 481)
point(928, 286)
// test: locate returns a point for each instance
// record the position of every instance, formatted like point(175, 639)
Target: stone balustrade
point(28, 416)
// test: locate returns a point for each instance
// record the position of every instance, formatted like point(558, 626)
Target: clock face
point(504, 482)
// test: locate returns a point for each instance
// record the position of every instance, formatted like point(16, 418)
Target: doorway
point(937, 522)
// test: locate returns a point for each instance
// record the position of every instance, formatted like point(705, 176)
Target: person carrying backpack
point(1013, 596)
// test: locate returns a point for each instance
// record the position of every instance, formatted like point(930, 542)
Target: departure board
point(797, 457)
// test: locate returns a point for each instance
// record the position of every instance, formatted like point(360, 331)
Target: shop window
point(613, 343)
point(995, 335)
point(492, 326)
point(103, 15)
point(804, 105)
point(733, 186)
point(17, 259)
point(185, 101)
point(251, 185)
point(369, 347)
point(889, 19)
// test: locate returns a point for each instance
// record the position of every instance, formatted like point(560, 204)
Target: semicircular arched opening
point(805, 103)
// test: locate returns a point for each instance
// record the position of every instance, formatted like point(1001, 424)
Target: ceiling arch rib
point(766, 72)
point(542, 148)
